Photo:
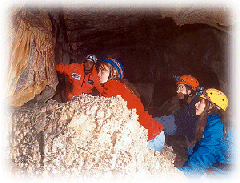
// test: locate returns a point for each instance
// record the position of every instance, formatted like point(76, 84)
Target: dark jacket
point(186, 119)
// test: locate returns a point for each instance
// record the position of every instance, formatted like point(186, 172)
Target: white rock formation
point(89, 137)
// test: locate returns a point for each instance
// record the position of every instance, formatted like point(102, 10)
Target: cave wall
point(32, 61)
point(151, 48)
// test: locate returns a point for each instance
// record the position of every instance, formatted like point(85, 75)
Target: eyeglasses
point(181, 87)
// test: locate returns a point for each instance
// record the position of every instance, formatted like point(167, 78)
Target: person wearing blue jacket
point(208, 149)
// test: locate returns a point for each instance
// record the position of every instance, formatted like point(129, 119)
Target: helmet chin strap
point(187, 89)
point(187, 92)
point(207, 107)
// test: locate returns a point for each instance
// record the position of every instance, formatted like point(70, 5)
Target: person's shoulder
point(214, 116)
point(114, 83)
point(113, 88)
point(214, 127)
point(77, 66)
point(194, 100)
point(214, 119)
point(73, 65)
point(181, 111)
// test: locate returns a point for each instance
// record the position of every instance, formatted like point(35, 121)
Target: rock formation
point(88, 137)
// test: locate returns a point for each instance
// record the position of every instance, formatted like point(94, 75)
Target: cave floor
point(179, 144)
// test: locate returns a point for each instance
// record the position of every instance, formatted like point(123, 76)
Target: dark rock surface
point(151, 47)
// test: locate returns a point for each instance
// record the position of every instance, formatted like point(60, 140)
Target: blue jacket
point(209, 150)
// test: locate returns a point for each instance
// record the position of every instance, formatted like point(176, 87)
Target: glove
point(158, 142)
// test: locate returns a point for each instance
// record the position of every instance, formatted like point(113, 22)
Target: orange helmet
point(189, 80)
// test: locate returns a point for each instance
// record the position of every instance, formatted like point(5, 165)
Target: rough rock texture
point(145, 91)
point(219, 17)
point(151, 45)
point(32, 65)
point(90, 136)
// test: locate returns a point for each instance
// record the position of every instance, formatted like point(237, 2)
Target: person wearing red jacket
point(111, 74)
point(83, 77)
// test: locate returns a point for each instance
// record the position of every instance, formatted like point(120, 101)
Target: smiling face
point(103, 73)
point(200, 107)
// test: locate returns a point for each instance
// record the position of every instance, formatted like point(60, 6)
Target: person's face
point(88, 65)
point(200, 107)
point(103, 73)
point(181, 91)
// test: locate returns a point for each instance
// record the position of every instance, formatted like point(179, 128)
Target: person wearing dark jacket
point(180, 126)
point(183, 121)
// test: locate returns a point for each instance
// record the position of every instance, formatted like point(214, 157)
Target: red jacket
point(81, 83)
point(115, 87)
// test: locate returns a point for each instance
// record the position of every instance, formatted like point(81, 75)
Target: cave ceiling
point(88, 27)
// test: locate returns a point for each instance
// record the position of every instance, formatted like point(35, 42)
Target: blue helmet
point(115, 63)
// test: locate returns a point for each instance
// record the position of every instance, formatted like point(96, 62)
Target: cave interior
point(152, 48)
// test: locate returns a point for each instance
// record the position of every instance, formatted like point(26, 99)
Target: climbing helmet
point(188, 80)
point(115, 63)
point(217, 97)
point(92, 58)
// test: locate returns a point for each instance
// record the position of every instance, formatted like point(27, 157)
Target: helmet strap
point(187, 91)
point(218, 107)
point(207, 107)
